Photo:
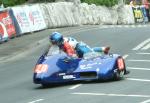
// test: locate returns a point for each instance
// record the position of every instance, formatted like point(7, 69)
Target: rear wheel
point(121, 68)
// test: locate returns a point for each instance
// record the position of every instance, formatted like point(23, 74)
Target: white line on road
point(146, 101)
point(138, 68)
point(142, 44)
point(36, 101)
point(114, 95)
point(132, 60)
point(143, 53)
point(125, 56)
point(146, 47)
point(141, 80)
point(75, 86)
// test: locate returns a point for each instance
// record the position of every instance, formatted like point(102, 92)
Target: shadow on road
point(57, 85)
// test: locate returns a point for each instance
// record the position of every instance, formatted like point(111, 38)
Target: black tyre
point(119, 75)
point(121, 68)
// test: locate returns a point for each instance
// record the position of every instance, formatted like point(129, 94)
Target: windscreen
point(53, 50)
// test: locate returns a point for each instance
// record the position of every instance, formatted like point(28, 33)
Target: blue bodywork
point(61, 69)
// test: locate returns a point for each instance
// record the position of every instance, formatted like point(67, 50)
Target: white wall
point(61, 14)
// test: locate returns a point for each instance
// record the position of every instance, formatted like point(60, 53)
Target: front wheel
point(119, 74)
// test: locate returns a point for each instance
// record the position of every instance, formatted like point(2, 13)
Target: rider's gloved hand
point(106, 50)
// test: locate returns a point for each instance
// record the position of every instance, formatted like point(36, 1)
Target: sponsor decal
point(3, 31)
point(35, 17)
point(41, 68)
point(89, 66)
point(7, 28)
point(68, 77)
point(85, 67)
point(22, 19)
point(61, 74)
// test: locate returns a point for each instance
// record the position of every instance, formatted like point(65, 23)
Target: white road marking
point(143, 53)
point(126, 26)
point(141, 80)
point(125, 56)
point(146, 47)
point(138, 68)
point(139, 26)
point(75, 86)
point(142, 44)
point(146, 101)
point(36, 101)
point(119, 26)
point(132, 60)
point(114, 95)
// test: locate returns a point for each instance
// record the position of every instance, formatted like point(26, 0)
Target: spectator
point(146, 5)
point(133, 3)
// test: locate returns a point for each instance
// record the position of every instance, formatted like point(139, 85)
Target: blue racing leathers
point(82, 48)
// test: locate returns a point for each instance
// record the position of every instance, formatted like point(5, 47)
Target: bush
point(12, 2)
point(97, 2)
point(108, 3)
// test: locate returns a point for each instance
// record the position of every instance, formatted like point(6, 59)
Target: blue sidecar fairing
point(56, 67)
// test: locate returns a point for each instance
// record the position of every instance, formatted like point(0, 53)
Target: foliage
point(138, 2)
point(101, 2)
point(97, 2)
point(12, 2)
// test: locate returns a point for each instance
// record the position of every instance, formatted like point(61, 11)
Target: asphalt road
point(18, 56)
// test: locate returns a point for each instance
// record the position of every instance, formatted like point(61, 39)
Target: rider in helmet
point(72, 47)
point(66, 44)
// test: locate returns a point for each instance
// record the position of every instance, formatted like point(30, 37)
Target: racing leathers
point(68, 46)
point(82, 48)
point(73, 48)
